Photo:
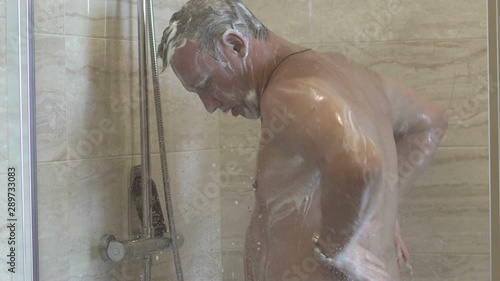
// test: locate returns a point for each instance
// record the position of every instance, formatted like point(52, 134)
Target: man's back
point(288, 196)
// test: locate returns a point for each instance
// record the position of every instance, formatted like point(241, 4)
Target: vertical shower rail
point(144, 131)
point(162, 143)
point(145, 13)
point(111, 249)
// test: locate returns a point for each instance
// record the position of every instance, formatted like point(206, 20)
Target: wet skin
point(332, 134)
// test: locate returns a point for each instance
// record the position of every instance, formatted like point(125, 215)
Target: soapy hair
point(204, 21)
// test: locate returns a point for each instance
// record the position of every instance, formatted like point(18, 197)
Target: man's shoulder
point(302, 95)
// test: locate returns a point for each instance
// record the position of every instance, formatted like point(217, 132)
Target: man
point(328, 181)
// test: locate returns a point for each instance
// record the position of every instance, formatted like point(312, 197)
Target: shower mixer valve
point(111, 249)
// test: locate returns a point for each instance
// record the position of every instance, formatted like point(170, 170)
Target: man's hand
point(402, 252)
point(361, 265)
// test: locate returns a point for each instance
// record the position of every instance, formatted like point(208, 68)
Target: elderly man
point(330, 170)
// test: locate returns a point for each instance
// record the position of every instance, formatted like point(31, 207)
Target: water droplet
point(236, 202)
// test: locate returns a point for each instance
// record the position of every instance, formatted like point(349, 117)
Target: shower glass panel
point(88, 135)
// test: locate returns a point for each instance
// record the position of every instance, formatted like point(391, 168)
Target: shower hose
point(161, 140)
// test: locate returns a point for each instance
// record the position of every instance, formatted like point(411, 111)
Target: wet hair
point(204, 21)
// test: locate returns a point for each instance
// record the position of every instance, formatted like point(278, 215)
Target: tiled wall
point(88, 140)
point(437, 47)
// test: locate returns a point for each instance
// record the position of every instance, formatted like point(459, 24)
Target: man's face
point(219, 84)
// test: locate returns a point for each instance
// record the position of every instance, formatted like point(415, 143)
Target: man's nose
point(211, 104)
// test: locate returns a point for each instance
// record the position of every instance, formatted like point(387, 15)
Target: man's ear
point(235, 42)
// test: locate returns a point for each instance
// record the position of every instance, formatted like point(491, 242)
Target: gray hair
point(204, 21)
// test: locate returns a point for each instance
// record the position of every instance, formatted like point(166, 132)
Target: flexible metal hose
point(161, 139)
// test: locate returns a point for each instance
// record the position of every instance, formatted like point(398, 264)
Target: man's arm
point(324, 132)
point(419, 125)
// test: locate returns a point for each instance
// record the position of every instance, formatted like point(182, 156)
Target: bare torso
point(287, 211)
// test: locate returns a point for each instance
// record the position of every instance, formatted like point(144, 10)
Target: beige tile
point(50, 98)
point(49, 16)
point(199, 267)
point(53, 222)
point(133, 269)
point(187, 125)
point(237, 207)
point(164, 9)
point(453, 73)
point(468, 122)
point(442, 70)
point(195, 195)
point(98, 196)
point(115, 19)
point(238, 132)
point(326, 21)
point(233, 265)
point(99, 90)
point(448, 268)
point(238, 168)
point(105, 271)
point(238, 199)
point(447, 211)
